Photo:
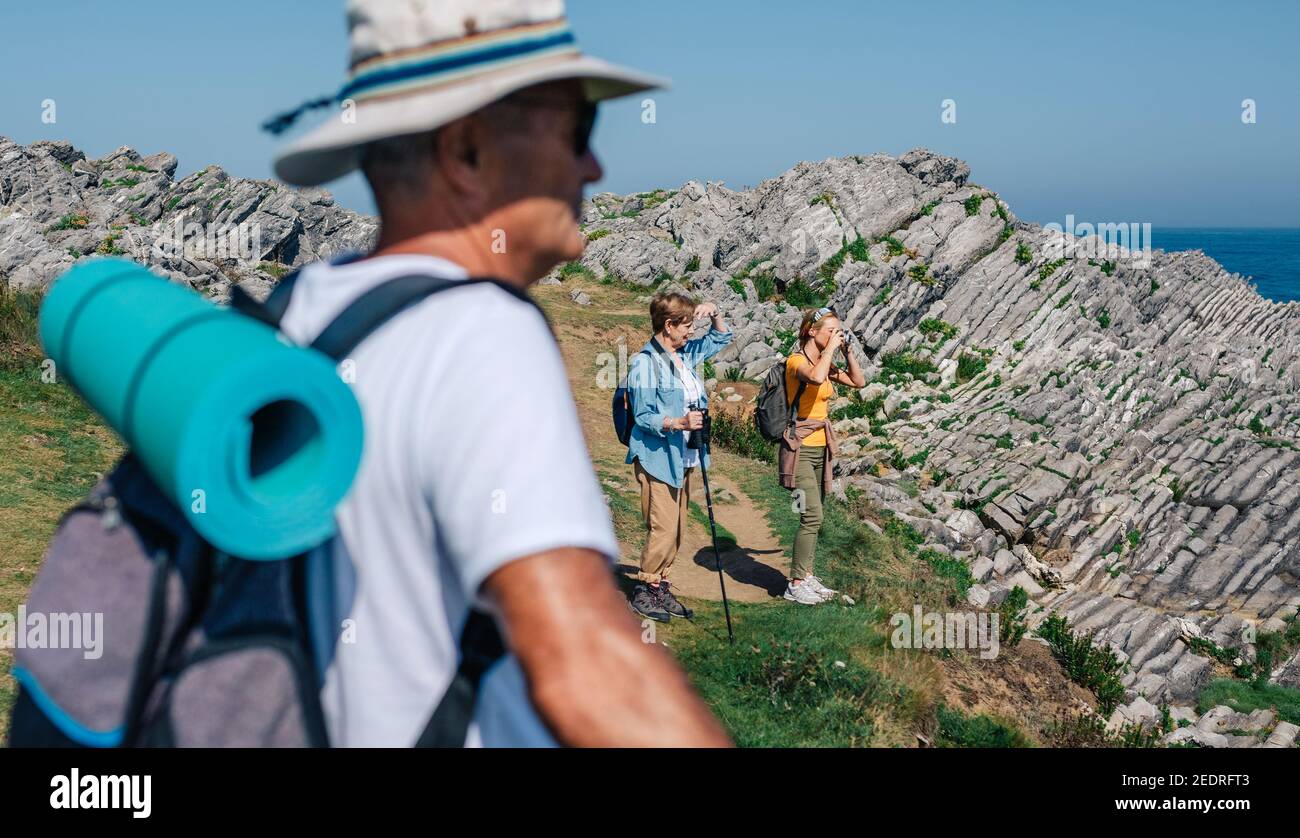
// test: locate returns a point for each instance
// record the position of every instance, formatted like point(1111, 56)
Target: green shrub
point(740, 435)
point(1011, 617)
point(969, 366)
point(75, 221)
point(929, 208)
point(882, 296)
point(1050, 268)
point(738, 285)
point(800, 295)
point(1023, 253)
point(934, 326)
point(693, 265)
point(19, 344)
point(1103, 319)
point(572, 269)
point(905, 362)
point(1091, 666)
point(764, 286)
point(972, 204)
point(893, 247)
point(959, 731)
point(597, 235)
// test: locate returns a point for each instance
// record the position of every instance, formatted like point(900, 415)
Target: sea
point(1269, 257)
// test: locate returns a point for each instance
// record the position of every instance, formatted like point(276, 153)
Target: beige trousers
point(664, 510)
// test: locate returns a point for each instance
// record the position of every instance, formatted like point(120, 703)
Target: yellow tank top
point(815, 401)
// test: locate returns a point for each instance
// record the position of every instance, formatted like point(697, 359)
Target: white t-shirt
point(473, 457)
point(694, 392)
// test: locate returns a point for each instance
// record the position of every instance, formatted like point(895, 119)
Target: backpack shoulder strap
point(798, 394)
point(270, 312)
point(481, 644)
point(480, 647)
point(377, 306)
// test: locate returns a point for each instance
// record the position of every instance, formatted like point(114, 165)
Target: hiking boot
point(802, 593)
point(670, 603)
point(827, 594)
point(649, 602)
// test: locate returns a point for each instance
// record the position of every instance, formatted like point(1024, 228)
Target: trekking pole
point(703, 437)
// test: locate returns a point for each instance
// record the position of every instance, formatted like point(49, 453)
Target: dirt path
point(754, 569)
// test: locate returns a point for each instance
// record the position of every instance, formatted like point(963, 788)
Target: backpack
point(622, 413)
point(775, 411)
point(198, 648)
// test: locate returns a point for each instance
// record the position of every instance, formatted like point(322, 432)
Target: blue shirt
point(656, 393)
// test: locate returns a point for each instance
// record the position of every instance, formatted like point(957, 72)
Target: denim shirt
point(656, 392)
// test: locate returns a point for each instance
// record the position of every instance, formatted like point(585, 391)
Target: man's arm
point(591, 678)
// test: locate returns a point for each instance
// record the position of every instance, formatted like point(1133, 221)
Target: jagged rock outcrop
point(1119, 436)
point(208, 230)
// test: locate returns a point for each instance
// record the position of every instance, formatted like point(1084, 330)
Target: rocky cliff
point(207, 230)
point(1117, 436)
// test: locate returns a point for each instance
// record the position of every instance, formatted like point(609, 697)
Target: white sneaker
point(802, 593)
point(821, 590)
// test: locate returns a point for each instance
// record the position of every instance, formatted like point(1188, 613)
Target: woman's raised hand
point(705, 310)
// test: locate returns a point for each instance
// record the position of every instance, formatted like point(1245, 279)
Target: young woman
point(668, 401)
point(808, 449)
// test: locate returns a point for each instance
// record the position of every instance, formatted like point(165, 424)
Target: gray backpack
point(775, 410)
point(192, 647)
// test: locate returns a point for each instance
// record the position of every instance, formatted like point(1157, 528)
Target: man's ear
point(457, 148)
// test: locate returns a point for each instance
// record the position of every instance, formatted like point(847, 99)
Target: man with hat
point(471, 121)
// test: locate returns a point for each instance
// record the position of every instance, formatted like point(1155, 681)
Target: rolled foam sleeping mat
point(254, 439)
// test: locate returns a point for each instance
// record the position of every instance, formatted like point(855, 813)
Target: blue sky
point(1109, 111)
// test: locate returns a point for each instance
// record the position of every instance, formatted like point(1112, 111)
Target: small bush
point(1023, 254)
point(932, 326)
point(1011, 617)
point(959, 731)
point(69, 222)
point(800, 295)
point(739, 435)
point(972, 204)
point(693, 265)
point(1094, 667)
point(597, 235)
point(969, 366)
point(764, 286)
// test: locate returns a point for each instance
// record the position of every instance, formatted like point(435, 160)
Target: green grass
point(55, 447)
point(959, 731)
point(827, 676)
point(1244, 697)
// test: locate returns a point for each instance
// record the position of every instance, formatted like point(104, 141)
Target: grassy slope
point(55, 450)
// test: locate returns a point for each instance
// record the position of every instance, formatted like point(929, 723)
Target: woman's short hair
point(812, 319)
point(670, 307)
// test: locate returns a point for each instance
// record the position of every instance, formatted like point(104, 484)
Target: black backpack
point(775, 411)
point(199, 648)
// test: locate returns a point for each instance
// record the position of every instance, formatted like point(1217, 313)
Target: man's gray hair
point(399, 167)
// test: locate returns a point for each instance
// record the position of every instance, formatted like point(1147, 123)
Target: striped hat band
point(446, 61)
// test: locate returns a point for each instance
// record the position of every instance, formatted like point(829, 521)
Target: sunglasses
point(820, 313)
point(583, 126)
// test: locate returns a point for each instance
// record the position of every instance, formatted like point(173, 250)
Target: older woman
point(668, 401)
point(807, 454)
